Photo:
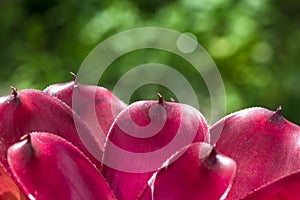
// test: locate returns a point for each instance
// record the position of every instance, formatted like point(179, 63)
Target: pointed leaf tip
point(212, 157)
point(278, 110)
point(160, 99)
point(74, 78)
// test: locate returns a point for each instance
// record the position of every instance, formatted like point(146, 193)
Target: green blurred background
point(255, 44)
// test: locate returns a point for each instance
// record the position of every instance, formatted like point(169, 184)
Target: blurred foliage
point(255, 44)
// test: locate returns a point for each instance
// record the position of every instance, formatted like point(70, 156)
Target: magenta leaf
point(48, 167)
point(32, 110)
point(148, 132)
point(96, 105)
point(286, 188)
point(264, 145)
point(197, 172)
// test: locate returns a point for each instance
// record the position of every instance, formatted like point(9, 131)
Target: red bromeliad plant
point(47, 166)
point(264, 145)
point(53, 148)
point(197, 171)
point(105, 104)
point(145, 127)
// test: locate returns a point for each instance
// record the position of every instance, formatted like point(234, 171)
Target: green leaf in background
point(255, 44)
